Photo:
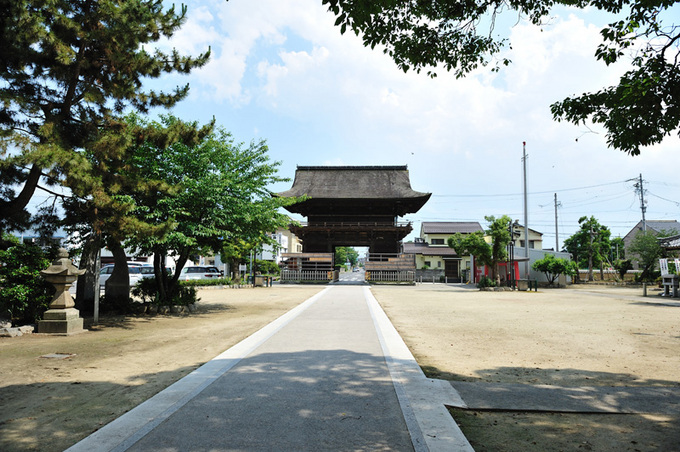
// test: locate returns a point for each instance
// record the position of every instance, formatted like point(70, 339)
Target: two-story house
point(287, 242)
point(432, 251)
point(535, 238)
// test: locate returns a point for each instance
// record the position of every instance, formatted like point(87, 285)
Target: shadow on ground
point(561, 377)
point(307, 400)
point(52, 416)
point(503, 429)
point(129, 321)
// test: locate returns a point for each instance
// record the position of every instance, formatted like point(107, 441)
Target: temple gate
point(354, 206)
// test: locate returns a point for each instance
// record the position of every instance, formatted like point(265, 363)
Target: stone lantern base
point(61, 321)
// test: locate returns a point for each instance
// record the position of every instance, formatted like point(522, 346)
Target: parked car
point(137, 271)
point(199, 272)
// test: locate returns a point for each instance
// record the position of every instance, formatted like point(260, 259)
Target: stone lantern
point(62, 317)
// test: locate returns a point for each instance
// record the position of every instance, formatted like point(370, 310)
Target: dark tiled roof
point(353, 182)
point(664, 225)
point(427, 250)
point(670, 226)
point(451, 227)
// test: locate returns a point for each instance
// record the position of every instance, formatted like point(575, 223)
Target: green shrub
point(267, 267)
point(145, 290)
point(622, 266)
point(486, 282)
point(206, 282)
point(24, 294)
point(184, 293)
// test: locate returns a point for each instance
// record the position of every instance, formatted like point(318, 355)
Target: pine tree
point(68, 67)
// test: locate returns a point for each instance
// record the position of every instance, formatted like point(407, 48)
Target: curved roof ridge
point(354, 168)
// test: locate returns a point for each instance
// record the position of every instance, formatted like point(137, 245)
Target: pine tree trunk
point(118, 285)
point(88, 283)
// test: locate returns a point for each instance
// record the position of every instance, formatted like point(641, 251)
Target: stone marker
point(62, 317)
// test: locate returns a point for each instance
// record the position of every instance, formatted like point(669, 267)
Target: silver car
point(137, 272)
point(199, 272)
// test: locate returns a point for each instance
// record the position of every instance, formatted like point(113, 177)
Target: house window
point(428, 264)
point(439, 264)
point(437, 241)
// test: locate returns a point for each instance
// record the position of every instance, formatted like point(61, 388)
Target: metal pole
point(252, 280)
point(642, 205)
point(526, 214)
point(557, 234)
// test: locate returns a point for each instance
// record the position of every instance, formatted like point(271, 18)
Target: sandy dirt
point(566, 337)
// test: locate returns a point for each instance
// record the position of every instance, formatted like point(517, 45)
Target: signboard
point(242, 267)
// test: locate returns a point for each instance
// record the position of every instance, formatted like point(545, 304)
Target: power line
point(660, 197)
point(501, 195)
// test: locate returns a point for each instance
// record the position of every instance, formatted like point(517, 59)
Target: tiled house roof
point(450, 227)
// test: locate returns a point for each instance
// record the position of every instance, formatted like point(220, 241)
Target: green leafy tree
point(451, 34)
point(485, 253)
point(553, 267)
point(67, 68)
point(235, 252)
point(100, 209)
point(646, 251)
point(344, 254)
point(590, 245)
point(220, 196)
point(24, 294)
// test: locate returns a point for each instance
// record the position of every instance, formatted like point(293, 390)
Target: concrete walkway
point(331, 374)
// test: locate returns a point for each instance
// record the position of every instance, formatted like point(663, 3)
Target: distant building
point(287, 242)
point(535, 238)
point(670, 227)
point(31, 236)
point(432, 251)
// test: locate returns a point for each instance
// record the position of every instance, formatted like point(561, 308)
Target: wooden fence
point(390, 276)
point(306, 275)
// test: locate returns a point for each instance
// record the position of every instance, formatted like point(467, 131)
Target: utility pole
point(590, 254)
point(557, 235)
point(526, 214)
point(643, 207)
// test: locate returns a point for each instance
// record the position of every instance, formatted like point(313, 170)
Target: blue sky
point(281, 71)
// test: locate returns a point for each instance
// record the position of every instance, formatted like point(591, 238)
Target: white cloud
point(326, 99)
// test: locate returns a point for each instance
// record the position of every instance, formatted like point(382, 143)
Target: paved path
point(332, 374)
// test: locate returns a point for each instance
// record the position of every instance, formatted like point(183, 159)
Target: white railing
point(306, 275)
point(390, 276)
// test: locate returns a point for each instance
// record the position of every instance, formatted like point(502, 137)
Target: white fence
point(390, 276)
point(306, 275)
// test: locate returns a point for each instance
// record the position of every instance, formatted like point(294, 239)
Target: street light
point(511, 252)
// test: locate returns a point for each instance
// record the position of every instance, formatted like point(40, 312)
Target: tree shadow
point(129, 321)
point(52, 416)
point(567, 410)
point(549, 376)
point(305, 400)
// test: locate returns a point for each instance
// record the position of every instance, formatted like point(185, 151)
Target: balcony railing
point(355, 224)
